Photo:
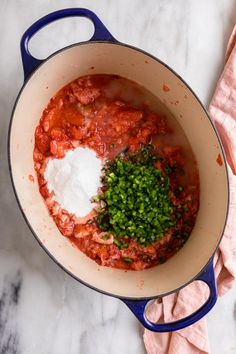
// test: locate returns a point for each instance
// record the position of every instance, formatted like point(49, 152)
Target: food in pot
point(117, 172)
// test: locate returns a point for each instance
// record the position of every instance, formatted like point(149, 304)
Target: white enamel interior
point(146, 71)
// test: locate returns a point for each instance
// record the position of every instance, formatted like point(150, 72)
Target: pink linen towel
point(194, 339)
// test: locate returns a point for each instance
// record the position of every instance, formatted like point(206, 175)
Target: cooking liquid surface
point(108, 114)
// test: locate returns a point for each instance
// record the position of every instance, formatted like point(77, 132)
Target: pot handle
point(30, 63)
point(138, 307)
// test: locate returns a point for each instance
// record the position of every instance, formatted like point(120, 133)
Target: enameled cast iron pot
point(43, 78)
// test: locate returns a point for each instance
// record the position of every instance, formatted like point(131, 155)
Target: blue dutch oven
point(104, 54)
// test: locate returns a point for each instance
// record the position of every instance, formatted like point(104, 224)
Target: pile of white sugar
point(74, 179)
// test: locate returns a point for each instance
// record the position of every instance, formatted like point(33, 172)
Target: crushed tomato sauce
point(89, 112)
point(219, 160)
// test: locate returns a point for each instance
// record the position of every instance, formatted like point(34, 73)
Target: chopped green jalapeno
point(162, 259)
point(136, 197)
point(168, 170)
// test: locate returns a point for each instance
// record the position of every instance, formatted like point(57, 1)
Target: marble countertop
point(42, 309)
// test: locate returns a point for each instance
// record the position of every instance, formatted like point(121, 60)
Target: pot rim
point(24, 213)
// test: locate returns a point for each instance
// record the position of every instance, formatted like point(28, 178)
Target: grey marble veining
point(9, 340)
point(43, 310)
